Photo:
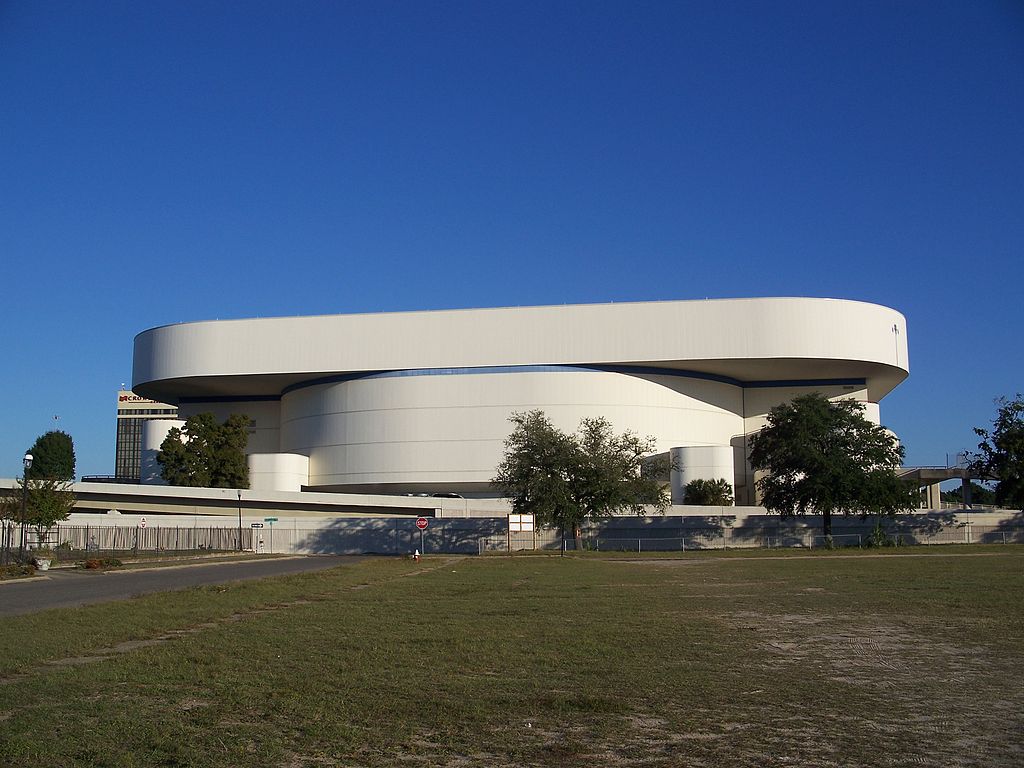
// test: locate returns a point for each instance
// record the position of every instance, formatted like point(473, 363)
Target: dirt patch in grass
point(925, 685)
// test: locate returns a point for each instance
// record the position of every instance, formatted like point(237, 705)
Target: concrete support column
point(934, 496)
point(278, 471)
point(707, 462)
point(153, 433)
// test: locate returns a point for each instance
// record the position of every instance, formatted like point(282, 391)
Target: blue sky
point(173, 161)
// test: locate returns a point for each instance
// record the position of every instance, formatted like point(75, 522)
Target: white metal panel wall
point(452, 428)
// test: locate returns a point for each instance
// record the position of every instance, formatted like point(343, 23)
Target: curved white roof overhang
point(750, 342)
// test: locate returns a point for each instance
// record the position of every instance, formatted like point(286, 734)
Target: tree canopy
point(824, 457)
point(564, 479)
point(47, 502)
point(206, 454)
point(1001, 452)
point(708, 493)
point(53, 457)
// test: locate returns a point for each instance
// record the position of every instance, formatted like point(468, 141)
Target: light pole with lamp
point(24, 504)
point(239, 520)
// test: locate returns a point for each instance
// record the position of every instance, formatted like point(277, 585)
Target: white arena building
point(419, 402)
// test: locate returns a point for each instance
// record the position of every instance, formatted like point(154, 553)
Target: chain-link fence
point(394, 536)
point(770, 537)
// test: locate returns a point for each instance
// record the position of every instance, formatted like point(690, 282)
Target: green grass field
point(695, 661)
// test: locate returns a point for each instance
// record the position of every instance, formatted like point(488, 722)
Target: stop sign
point(421, 523)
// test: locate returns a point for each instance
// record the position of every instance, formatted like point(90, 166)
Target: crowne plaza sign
point(128, 401)
point(131, 397)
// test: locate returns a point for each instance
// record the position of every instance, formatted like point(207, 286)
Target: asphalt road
point(69, 587)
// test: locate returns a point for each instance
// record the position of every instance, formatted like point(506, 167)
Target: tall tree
point(49, 501)
point(1001, 452)
point(824, 457)
point(565, 479)
point(53, 457)
point(206, 454)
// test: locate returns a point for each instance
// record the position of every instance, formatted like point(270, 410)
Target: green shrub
point(17, 571)
point(708, 493)
point(879, 538)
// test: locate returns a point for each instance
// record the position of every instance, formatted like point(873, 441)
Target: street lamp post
point(27, 461)
point(239, 520)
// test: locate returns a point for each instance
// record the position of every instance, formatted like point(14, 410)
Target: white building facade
point(419, 402)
